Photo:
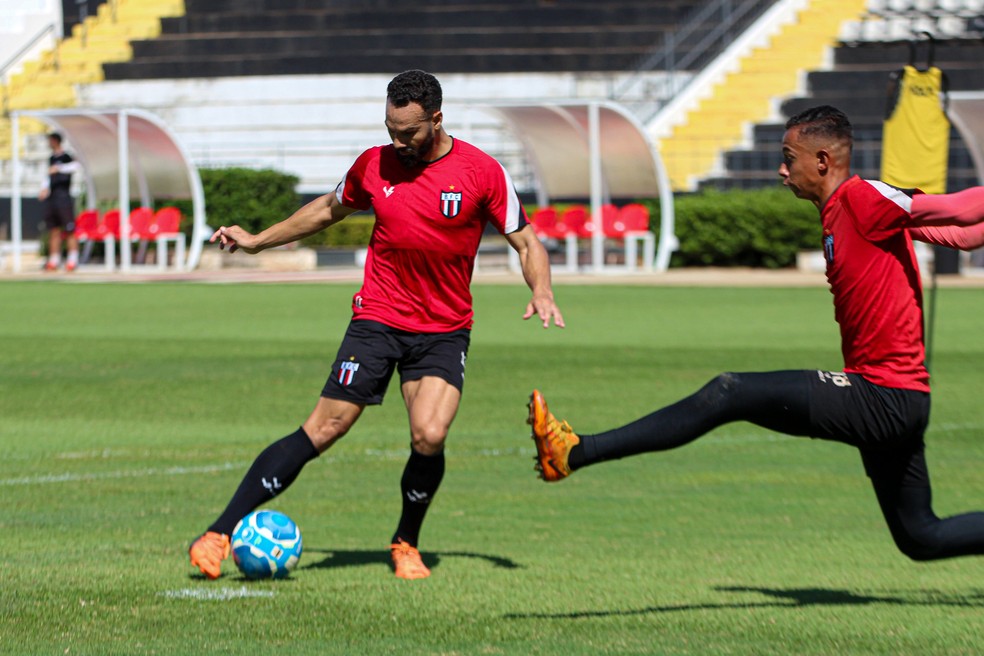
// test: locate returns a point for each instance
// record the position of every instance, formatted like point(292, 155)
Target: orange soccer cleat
point(554, 440)
point(208, 552)
point(406, 561)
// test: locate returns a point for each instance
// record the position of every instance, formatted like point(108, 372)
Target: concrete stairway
point(51, 80)
point(693, 149)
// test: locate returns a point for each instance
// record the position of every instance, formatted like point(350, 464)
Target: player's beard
point(410, 157)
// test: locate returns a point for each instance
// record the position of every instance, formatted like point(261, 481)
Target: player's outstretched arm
point(313, 217)
point(952, 220)
point(535, 263)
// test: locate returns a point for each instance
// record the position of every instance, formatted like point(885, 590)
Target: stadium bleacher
point(295, 84)
point(247, 89)
point(880, 42)
point(857, 83)
point(219, 38)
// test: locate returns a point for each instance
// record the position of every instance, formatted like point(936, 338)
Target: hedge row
point(762, 228)
point(757, 228)
point(253, 199)
point(256, 199)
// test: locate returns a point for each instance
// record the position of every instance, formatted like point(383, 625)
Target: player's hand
point(235, 238)
point(545, 308)
point(43, 194)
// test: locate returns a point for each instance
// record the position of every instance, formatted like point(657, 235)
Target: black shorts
point(371, 351)
point(59, 213)
point(885, 424)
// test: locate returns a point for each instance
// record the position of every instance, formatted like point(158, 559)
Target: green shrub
point(256, 199)
point(253, 199)
point(757, 228)
point(752, 228)
point(354, 230)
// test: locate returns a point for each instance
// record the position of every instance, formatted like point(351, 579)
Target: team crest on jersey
point(450, 203)
point(828, 248)
point(346, 372)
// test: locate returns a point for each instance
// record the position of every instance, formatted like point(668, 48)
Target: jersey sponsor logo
point(346, 372)
point(922, 89)
point(389, 191)
point(828, 248)
point(450, 203)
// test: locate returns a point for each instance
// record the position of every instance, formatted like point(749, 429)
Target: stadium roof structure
point(120, 150)
point(966, 112)
point(596, 151)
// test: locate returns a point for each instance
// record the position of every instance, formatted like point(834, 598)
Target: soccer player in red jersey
point(879, 403)
point(432, 196)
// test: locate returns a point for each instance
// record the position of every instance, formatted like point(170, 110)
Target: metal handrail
point(663, 57)
point(677, 53)
point(13, 61)
point(10, 63)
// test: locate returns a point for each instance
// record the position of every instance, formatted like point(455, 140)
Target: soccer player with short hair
point(879, 403)
point(432, 196)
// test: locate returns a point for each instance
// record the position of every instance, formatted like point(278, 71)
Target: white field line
point(215, 594)
point(400, 454)
point(367, 454)
point(125, 473)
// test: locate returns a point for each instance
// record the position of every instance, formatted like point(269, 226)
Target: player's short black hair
point(415, 86)
point(56, 136)
point(823, 121)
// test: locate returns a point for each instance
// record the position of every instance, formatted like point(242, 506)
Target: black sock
point(272, 472)
point(576, 458)
point(421, 478)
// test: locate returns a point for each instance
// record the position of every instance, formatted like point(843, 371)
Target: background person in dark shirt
point(59, 207)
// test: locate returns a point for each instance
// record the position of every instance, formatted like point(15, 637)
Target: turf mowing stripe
point(394, 454)
point(70, 478)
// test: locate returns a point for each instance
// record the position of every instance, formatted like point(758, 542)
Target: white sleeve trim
point(512, 204)
point(891, 193)
point(339, 190)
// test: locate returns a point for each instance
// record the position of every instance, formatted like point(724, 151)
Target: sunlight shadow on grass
point(233, 575)
point(356, 558)
point(789, 598)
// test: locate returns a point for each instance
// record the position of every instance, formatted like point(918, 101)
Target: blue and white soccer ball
point(266, 544)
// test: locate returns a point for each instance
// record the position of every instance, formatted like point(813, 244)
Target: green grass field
point(128, 414)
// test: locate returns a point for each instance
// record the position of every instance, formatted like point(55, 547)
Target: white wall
point(22, 21)
point(315, 125)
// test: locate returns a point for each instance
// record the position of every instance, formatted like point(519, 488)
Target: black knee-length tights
point(885, 425)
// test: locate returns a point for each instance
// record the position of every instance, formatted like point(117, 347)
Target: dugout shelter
point(125, 154)
point(597, 151)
